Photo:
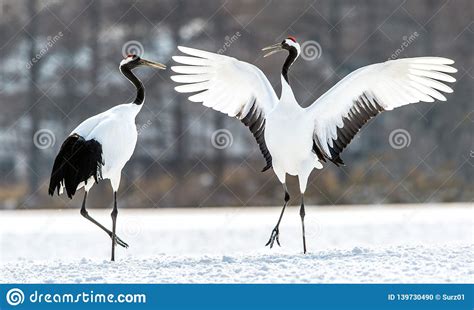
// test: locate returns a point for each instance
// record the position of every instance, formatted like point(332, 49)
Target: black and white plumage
point(295, 140)
point(79, 160)
point(100, 147)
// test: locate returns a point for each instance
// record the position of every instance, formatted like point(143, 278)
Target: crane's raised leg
point(275, 236)
point(114, 225)
point(85, 214)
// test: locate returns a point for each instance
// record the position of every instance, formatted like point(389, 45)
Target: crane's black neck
point(292, 54)
point(127, 71)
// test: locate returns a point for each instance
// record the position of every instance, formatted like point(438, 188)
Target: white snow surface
point(362, 244)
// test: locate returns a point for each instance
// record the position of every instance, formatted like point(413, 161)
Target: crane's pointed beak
point(272, 49)
point(148, 63)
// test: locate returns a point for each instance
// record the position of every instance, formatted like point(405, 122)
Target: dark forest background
point(59, 65)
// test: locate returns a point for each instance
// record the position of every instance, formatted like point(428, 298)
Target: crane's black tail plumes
point(77, 161)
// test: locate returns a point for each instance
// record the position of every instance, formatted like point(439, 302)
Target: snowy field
point(373, 244)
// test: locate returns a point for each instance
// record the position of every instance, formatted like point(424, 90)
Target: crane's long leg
point(114, 225)
point(85, 214)
point(275, 236)
point(302, 214)
point(303, 180)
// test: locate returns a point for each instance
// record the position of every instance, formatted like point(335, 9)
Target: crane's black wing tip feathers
point(338, 161)
point(267, 167)
point(77, 161)
point(255, 121)
point(365, 107)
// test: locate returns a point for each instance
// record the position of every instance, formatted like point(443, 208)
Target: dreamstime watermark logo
point(313, 228)
point(50, 42)
point(407, 41)
point(44, 138)
point(132, 47)
point(311, 50)
point(144, 127)
point(15, 296)
point(132, 228)
point(399, 139)
point(222, 139)
point(229, 40)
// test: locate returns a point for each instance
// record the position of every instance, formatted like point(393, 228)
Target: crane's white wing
point(347, 106)
point(227, 85)
point(86, 127)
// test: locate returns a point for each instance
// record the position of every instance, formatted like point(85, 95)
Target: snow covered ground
point(375, 244)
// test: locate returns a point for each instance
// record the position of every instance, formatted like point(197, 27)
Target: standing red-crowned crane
point(100, 147)
point(295, 140)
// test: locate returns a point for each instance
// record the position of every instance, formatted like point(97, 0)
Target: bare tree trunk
point(95, 26)
point(372, 23)
point(179, 120)
point(34, 156)
point(70, 98)
point(334, 18)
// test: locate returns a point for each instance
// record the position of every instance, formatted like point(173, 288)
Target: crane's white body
point(234, 87)
point(116, 131)
point(288, 134)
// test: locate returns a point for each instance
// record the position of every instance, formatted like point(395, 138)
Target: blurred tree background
point(59, 65)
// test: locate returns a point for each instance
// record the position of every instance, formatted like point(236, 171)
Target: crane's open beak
point(148, 63)
point(272, 49)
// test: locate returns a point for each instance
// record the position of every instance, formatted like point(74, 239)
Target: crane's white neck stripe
point(126, 60)
point(287, 94)
point(293, 44)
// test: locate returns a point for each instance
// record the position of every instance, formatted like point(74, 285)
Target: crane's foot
point(275, 236)
point(119, 241)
